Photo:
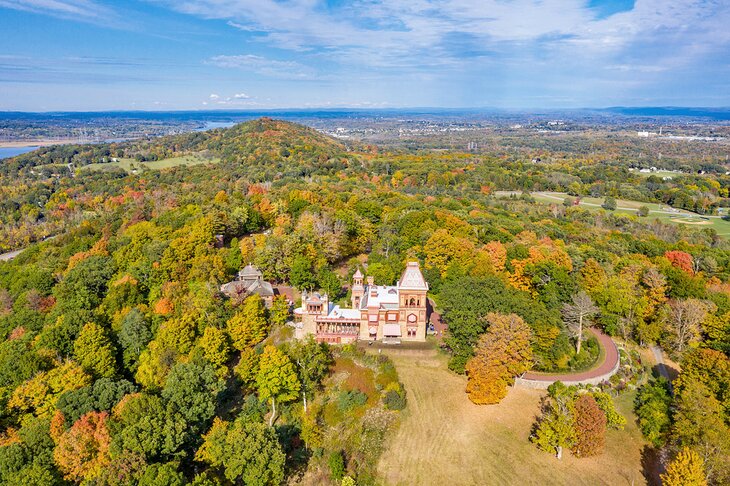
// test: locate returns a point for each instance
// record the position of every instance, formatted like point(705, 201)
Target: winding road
point(604, 370)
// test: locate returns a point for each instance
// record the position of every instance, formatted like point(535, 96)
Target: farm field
point(445, 439)
point(659, 211)
point(130, 164)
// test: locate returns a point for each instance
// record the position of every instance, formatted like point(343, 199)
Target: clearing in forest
point(444, 439)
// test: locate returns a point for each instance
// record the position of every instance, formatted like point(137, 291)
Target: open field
point(444, 439)
point(131, 164)
point(658, 211)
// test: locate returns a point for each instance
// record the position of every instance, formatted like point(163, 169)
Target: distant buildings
point(378, 312)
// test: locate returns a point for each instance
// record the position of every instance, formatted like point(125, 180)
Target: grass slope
point(656, 211)
point(445, 439)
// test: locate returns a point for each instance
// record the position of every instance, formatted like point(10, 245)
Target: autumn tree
point(95, 352)
point(249, 327)
point(577, 314)
point(590, 427)
point(683, 319)
point(276, 379)
point(215, 347)
point(686, 469)
point(681, 260)
point(279, 312)
point(83, 449)
point(502, 353)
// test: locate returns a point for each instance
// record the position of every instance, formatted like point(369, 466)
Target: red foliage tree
point(681, 260)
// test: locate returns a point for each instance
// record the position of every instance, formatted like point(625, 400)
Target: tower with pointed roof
point(412, 290)
point(358, 290)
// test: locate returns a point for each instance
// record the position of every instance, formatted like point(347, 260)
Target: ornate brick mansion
point(378, 312)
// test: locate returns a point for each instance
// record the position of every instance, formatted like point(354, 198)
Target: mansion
point(378, 312)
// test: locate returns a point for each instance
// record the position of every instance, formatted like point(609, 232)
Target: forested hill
point(264, 141)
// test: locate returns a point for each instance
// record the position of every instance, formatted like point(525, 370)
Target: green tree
point(134, 335)
point(162, 475)
point(249, 326)
point(336, 463)
point(301, 275)
point(276, 379)
point(554, 430)
point(652, 409)
point(643, 211)
point(146, 426)
point(609, 204)
point(312, 361)
point(247, 452)
point(330, 283)
point(192, 390)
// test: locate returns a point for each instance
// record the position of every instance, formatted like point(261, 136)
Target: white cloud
point(261, 65)
point(241, 96)
point(85, 10)
point(427, 33)
point(213, 96)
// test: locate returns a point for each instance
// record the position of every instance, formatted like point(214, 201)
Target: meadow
point(446, 439)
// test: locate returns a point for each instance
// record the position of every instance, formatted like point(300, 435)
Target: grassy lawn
point(130, 164)
point(444, 439)
point(656, 211)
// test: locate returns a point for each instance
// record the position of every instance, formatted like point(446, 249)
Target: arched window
point(413, 301)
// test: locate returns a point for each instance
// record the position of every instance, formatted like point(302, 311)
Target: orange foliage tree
point(502, 353)
point(83, 450)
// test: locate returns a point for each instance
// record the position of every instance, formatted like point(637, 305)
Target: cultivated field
point(444, 439)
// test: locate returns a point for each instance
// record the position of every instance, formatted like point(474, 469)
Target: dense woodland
point(121, 362)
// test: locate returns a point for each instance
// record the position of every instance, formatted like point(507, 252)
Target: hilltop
point(265, 142)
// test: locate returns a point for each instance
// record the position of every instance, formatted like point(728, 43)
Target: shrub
point(394, 400)
point(347, 400)
point(337, 465)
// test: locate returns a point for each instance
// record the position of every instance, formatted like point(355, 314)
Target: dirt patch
point(444, 439)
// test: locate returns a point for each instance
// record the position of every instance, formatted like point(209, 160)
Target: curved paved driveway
point(610, 363)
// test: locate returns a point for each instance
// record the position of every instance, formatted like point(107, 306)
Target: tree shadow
point(651, 465)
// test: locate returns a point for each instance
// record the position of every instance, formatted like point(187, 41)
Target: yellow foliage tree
point(687, 469)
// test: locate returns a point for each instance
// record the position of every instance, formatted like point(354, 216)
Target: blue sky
point(256, 54)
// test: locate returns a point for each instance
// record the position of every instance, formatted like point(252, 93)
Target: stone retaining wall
point(593, 380)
